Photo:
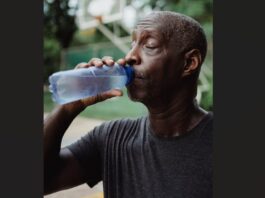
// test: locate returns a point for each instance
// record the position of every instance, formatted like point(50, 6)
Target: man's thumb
point(101, 97)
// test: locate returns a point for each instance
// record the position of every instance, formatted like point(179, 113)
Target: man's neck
point(176, 118)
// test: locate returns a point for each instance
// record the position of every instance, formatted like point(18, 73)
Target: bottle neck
point(129, 73)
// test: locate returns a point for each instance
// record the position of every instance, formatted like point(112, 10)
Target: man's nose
point(133, 58)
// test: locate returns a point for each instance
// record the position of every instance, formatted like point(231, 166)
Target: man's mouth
point(139, 75)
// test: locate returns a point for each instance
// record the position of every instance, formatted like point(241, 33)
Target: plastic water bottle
point(71, 85)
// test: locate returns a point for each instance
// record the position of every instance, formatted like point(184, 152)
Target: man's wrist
point(71, 110)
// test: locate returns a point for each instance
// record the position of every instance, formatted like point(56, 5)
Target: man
point(167, 153)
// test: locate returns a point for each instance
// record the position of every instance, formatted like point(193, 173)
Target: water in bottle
point(72, 85)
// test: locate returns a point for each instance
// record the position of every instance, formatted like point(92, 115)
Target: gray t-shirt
point(135, 163)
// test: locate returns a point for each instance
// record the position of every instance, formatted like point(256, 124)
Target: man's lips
point(139, 75)
point(139, 79)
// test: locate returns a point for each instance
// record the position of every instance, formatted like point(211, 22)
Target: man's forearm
point(55, 126)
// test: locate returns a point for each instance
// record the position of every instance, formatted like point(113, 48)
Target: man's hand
point(97, 62)
point(78, 106)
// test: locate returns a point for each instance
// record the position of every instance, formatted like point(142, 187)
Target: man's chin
point(136, 97)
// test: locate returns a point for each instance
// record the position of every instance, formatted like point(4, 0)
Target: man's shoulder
point(114, 131)
point(210, 118)
point(210, 113)
point(205, 128)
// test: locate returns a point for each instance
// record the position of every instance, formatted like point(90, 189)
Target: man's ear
point(192, 62)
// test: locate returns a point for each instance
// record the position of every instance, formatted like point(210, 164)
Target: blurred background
point(73, 34)
point(77, 30)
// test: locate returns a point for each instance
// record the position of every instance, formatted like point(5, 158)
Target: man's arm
point(66, 174)
point(61, 169)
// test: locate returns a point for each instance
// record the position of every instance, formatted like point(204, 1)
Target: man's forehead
point(147, 27)
point(148, 22)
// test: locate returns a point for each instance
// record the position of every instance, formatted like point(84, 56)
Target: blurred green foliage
point(201, 10)
point(59, 28)
point(207, 96)
point(51, 55)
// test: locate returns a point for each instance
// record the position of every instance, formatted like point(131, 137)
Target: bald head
point(180, 30)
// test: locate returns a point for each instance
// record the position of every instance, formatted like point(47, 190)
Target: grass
point(114, 108)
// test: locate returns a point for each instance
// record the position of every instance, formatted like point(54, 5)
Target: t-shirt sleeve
point(91, 149)
point(88, 151)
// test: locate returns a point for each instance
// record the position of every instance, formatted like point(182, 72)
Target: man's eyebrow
point(146, 34)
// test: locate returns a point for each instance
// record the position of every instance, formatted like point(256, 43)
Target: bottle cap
point(130, 74)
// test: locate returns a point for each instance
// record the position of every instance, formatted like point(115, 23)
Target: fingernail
point(98, 62)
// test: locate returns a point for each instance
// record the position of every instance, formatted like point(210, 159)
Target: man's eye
point(150, 46)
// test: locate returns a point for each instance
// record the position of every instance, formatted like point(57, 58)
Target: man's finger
point(81, 65)
point(108, 60)
point(96, 62)
point(121, 62)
